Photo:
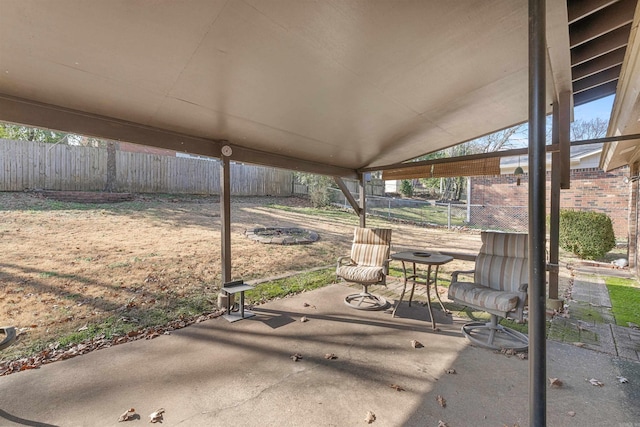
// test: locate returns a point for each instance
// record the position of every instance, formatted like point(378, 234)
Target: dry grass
point(70, 270)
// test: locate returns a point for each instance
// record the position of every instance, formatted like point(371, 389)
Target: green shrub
point(406, 188)
point(588, 235)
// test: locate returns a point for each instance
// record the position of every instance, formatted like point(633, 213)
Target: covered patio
point(335, 88)
point(217, 373)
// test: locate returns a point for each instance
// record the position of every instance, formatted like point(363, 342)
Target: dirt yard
point(66, 266)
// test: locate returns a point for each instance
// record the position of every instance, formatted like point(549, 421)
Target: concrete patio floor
point(217, 373)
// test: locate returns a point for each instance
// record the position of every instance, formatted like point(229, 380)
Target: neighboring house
point(392, 186)
point(498, 200)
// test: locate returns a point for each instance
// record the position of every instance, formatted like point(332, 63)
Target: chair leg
point(366, 300)
point(494, 336)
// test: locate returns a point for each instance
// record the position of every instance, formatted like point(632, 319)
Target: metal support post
point(363, 199)
point(537, 205)
point(225, 218)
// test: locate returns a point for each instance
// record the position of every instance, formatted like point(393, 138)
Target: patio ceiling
point(322, 86)
point(599, 33)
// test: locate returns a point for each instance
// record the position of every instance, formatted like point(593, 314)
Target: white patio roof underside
point(322, 86)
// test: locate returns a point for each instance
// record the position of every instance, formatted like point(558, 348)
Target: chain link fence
point(461, 215)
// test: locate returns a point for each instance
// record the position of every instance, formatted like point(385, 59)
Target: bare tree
point(588, 129)
point(501, 140)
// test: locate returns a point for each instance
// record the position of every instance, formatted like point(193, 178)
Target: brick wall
point(503, 202)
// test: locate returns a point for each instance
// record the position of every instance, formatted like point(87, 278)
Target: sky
point(600, 108)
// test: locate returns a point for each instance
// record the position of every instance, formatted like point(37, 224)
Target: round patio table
point(433, 261)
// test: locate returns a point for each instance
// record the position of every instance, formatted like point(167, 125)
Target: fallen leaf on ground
point(450, 371)
point(56, 352)
point(555, 382)
point(623, 380)
point(571, 413)
point(304, 319)
point(308, 305)
point(127, 415)
point(156, 416)
point(441, 401)
point(396, 387)
point(595, 382)
point(370, 417)
point(508, 351)
point(330, 356)
point(295, 357)
point(442, 424)
point(578, 344)
point(416, 344)
point(523, 356)
point(83, 328)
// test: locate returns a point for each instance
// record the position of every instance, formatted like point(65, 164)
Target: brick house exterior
point(498, 200)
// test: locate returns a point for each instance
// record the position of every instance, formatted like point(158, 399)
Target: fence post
point(389, 209)
point(449, 216)
point(468, 200)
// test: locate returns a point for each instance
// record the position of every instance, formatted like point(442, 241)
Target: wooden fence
point(28, 165)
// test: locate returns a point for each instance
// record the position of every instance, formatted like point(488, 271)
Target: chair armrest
point(342, 259)
point(454, 275)
point(386, 264)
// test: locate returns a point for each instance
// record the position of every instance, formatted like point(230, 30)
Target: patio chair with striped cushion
point(499, 288)
point(367, 265)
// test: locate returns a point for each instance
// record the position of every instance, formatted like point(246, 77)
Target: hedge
point(588, 235)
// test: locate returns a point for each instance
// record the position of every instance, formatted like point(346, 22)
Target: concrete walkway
point(217, 373)
point(591, 321)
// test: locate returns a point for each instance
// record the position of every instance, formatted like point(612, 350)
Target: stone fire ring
point(282, 235)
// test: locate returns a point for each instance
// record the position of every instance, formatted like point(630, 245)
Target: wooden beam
point(600, 46)
point(606, 139)
point(579, 9)
point(598, 64)
point(249, 155)
point(602, 22)
point(352, 201)
point(554, 203)
point(31, 113)
point(598, 79)
point(563, 141)
point(634, 188)
point(504, 153)
point(595, 93)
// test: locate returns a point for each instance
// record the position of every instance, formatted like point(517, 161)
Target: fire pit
point(282, 235)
